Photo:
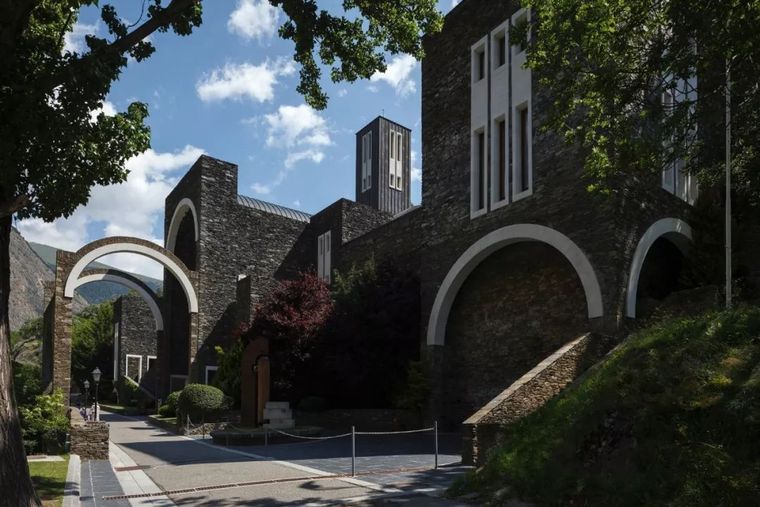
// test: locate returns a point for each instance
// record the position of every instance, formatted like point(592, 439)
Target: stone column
point(61, 349)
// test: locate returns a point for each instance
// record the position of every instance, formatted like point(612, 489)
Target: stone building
point(134, 341)
point(515, 257)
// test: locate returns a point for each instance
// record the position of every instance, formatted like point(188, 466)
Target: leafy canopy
point(55, 145)
point(605, 64)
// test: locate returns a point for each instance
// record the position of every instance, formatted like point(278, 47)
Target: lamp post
point(96, 378)
point(86, 390)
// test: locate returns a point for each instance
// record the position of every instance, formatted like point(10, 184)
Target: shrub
point(169, 407)
point(44, 425)
point(312, 404)
point(200, 400)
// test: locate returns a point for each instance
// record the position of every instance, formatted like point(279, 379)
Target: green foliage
point(371, 336)
point(671, 418)
point(130, 394)
point(228, 375)
point(44, 424)
point(91, 341)
point(416, 393)
point(199, 401)
point(169, 408)
point(26, 383)
point(605, 63)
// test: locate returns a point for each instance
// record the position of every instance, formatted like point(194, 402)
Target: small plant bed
point(122, 410)
point(671, 417)
point(168, 423)
point(255, 436)
point(49, 479)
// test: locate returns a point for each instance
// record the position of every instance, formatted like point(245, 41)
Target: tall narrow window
point(324, 259)
point(395, 160)
point(366, 161)
point(480, 64)
point(501, 49)
point(502, 154)
point(523, 155)
point(481, 180)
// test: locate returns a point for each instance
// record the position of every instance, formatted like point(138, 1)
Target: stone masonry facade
point(500, 290)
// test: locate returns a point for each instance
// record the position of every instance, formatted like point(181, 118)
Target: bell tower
point(383, 166)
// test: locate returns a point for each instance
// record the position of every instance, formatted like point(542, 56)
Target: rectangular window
point(480, 64)
point(366, 161)
point(151, 363)
point(324, 254)
point(502, 155)
point(501, 49)
point(133, 367)
point(211, 374)
point(481, 161)
point(396, 160)
point(524, 160)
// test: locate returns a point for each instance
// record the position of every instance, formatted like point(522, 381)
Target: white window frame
point(208, 369)
point(395, 159)
point(675, 181)
point(475, 159)
point(324, 256)
point(479, 123)
point(500, 91)
point(147, 362)
point(126, 365)
point(366, 161)
point(517, 154)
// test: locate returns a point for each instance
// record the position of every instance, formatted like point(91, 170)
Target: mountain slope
point(671, 417)
point(94, 293)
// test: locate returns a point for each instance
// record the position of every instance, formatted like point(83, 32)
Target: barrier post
point(435, 428)
point(266, 437)
point(187, 424)
point(353, 451)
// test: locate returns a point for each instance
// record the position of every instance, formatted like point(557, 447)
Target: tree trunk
point(15, 483)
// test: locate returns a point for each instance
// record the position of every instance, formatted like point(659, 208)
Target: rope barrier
point(423, 430)
point(303, 437)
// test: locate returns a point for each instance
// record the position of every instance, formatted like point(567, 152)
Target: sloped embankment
point(671, 417)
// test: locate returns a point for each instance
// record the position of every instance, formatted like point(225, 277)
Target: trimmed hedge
point(200, 400)
point(169, 407)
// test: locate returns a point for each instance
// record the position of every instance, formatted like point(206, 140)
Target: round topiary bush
point(169, 407)
point(199, 400)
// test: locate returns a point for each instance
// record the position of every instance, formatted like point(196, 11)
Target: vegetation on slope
point(671, 417)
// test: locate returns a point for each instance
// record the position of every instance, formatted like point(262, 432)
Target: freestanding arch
point(180, 211)
point(676, 231)
point(129, 281)
point(485, 246)
point(106, 246)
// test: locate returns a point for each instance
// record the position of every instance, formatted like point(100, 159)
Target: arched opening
point(656, 265)
point(182, 241)
point(516, 308)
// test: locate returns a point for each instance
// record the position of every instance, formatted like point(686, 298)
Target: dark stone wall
point(136, 332)
point(519, 305)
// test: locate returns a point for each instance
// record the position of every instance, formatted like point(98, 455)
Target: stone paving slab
point(98, 480)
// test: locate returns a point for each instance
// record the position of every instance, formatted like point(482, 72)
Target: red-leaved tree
point(291, 317)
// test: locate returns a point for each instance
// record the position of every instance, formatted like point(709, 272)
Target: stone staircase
point(278, 415)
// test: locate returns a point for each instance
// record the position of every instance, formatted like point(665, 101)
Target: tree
point(91, 340)
point(54, 146)
point(605, 65)
point(291, 317)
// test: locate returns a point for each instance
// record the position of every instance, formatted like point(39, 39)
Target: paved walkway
point(98, 480)
point(196, 472)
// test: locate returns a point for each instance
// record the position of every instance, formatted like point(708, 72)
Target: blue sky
point(228, 90)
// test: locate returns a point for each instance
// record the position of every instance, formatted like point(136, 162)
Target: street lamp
point(86, 390)
point(96, 378)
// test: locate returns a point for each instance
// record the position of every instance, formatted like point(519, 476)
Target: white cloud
point(297, 203)
point(261, 189)
point(295, 157)
point(106, 108)
point(244, 81)
point(254, 19)
point(342, 92)
point(294, 126)
point(398, 75)
point(73, 41)
point(133, 208)
point(416, 171)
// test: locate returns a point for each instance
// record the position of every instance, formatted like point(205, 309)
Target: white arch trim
point(173, 267)
point(147, 296)
point(179, 213)
point(485, 246)
point(673, 229)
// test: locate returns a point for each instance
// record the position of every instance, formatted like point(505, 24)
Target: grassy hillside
point(94, 293)
point(672, 417)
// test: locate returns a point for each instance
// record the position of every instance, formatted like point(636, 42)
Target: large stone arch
point(129, 281)
point(106, 246)
point(675, 230)
point(185, 205)
point(500, 238)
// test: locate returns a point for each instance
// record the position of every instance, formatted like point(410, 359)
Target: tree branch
point(13, 205)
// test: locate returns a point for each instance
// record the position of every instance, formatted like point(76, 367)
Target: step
point(275, 413)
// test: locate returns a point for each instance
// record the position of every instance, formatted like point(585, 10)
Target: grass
point(671, 418)
point(49, 479)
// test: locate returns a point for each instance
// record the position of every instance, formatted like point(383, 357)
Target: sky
point(229, 91)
